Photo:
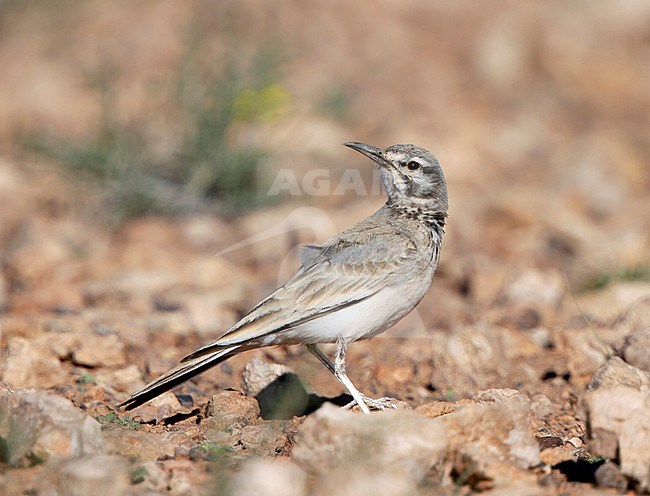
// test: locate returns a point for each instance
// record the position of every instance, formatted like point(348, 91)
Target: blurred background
point(139, 140)
point(161, 162)
point(113, 113)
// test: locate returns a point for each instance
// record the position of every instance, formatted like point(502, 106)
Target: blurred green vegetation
point(635, 273)
point(214, 450)
point(15, 447)
point(213, 107)
point(336, 104)
point(138, 475)
point(112, 419)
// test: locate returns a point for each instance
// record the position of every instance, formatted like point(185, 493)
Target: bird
point(354, 286)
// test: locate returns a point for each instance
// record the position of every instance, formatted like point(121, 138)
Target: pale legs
point(338, 369)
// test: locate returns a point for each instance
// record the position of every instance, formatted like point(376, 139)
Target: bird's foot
point(382, 404)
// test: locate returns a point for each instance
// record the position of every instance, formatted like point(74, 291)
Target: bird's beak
point(372, 152)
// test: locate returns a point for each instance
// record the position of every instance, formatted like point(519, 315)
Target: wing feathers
point(177, 376)
point(333, 277)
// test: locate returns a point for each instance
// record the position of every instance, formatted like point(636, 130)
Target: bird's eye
point(412, 165)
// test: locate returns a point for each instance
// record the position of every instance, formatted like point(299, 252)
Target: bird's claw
point(381, 404)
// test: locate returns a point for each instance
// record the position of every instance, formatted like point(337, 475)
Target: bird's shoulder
point(379, 238)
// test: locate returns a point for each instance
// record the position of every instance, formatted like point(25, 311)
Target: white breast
point(362, 320)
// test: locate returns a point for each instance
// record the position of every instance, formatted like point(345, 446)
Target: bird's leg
point(339, 373)
point(322, 358)
point(338, 369)
point(360, 399)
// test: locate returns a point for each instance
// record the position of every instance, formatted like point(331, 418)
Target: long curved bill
point(372, 152)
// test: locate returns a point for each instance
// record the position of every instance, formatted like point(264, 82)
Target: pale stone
point(534, 286)
point(495, 437)
point(615, 372)
point(499, 396)
point(269, 477)
point(99, 351)
point(143, 445)
point(126, 380)
point(398, 442)
point(623, 412)
point(37, 425)
point(27, 366)
point(93, 475)
point(258, 374)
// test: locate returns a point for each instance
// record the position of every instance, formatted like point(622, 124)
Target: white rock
point(587, 349)
point(636, 349)
point(27, 366)
point(495, 438)
point(614, 300)
point(362, 482)
point(270, 478)
point(401, 443)
point(615, 372)
point(624, 412)
point(128, 379)
point(99, 351)
point(500, 396)
point(636, 327)
point(39, 425)
point(534, 286)
point(93, 475)
point(258, 373)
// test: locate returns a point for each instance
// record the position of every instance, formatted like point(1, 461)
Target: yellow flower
point(266, 104)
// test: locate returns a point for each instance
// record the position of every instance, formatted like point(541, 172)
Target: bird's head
point(411, 175)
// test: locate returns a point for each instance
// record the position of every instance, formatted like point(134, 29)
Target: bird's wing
point(348, 269)
point(308, 254)
point(177, 376)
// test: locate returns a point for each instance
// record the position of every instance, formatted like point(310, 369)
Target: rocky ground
point(525, 369)
point(509, 383)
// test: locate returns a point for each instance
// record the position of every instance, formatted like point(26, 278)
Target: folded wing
point(345, 271)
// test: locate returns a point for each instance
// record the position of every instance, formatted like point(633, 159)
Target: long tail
point(178, 375)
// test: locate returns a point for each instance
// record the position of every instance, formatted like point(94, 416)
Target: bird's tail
point(178, 375)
